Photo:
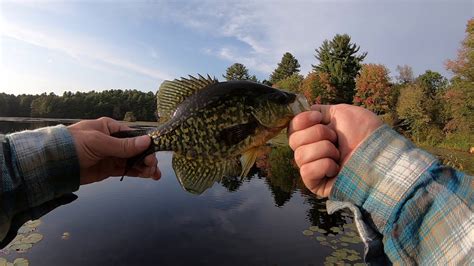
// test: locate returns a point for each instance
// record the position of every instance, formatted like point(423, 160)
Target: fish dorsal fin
point(172, 93)
point(196, 176)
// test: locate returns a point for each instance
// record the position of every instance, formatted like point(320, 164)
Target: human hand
point(323, 140)
point(101, 155)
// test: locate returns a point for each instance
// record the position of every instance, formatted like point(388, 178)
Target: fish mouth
point(299, 105)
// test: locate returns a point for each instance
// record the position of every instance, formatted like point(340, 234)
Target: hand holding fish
point(101, 155)
point(323, 140)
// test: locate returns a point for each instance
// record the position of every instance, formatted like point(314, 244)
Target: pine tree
point(238, 71)
point(288, 66)
point(338, 59)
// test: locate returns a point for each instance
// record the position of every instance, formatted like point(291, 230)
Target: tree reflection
point(318, 215)
point(277, 166)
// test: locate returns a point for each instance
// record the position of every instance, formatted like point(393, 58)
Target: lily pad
point(33, 223)
point(351, 234)
point(335, 229)
point(21, 262)
point(21, 247)
point(308, 232)
point(322, 231)
point(353, 258)
point(340, 255)
point(344, 244)
point(3, 262)
point(314, 228)
point(32, 239)
point(350, 226)
point(320, 238)
point(26, 229)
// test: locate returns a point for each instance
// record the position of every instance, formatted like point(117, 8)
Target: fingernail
point(315, 117)
point(142, 142)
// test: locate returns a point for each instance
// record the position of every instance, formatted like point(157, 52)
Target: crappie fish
point(215, 128)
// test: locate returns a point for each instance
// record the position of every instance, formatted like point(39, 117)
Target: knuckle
point(305, 171)
point(299, 156)
point(292, 141)
point(327, 145)
point(326, 164)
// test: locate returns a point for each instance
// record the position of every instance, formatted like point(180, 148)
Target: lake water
point(268, 219)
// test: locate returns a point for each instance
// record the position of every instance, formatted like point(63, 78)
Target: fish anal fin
point(197, 175)
point(172, 93)
point(248, 160)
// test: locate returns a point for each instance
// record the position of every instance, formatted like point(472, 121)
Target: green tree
point(238, 71)
point(415, 109)
point(339, 59)
point(287, 67)
point(433, 82)
point(459, 96)
point(291, 83)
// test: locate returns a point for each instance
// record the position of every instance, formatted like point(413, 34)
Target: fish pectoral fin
point(237, 133)
point(172, 93)
point(196, 176)
point(248, 160)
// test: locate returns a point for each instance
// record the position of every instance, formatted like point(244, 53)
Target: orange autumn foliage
point(373, 88)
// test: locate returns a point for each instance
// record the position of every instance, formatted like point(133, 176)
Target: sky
point(57, 46)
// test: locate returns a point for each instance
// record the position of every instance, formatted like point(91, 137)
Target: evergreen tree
point(339, 59)
point(288, 66)
point(238, 71)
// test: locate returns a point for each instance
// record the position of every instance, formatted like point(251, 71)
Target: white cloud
point(268, 29)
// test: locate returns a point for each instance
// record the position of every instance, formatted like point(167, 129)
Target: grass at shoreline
point(461, 160)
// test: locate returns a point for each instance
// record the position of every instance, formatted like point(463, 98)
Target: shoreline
point(71, 121)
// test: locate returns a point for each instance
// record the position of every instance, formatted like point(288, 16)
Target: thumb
point(125, 148)
point(326, 110)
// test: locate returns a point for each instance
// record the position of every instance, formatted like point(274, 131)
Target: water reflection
point(259, 220)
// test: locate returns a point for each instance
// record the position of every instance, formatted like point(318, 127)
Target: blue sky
point(54, 46)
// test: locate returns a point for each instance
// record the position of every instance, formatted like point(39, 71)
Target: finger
point(326, 112)
point(146, 172)
point(318, 176)
point(312, 134)
point(150, 160)
point(304, 120)
point(111, 126)
point(315, 151)
point(121, 148)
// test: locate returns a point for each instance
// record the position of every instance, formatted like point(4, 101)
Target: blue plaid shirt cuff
point(46, 162)
point(380, 173)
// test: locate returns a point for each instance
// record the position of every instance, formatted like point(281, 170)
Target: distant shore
point(71, 121)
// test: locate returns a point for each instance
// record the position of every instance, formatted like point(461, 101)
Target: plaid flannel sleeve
point(36, 167)
point(422, 208)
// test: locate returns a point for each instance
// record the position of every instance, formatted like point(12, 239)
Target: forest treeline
point(428, 108)
point(111, 103)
